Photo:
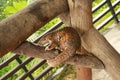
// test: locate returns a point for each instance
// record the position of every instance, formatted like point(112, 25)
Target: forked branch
point(34, 50)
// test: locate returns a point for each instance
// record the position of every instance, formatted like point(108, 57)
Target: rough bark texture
point(33, 50)
point(99, 46)
point(92, 40)
point(80, 17)
point(15, 29)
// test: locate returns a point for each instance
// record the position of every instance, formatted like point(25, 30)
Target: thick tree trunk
point(33, 50)
point(99, 46)
point(81, 15)
point(80, 18)
point(92, 40)
point(15, 29)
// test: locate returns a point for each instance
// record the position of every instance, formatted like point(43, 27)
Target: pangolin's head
point(45, 40)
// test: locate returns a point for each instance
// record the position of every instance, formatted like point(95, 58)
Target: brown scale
point(66, 40)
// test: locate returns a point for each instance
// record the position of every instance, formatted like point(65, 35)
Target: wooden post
point(80, 17)
point(84, 73)
point(34, 50)
point(18, 27)
point(94, 42)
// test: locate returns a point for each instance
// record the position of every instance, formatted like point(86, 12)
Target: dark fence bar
point(104, 12)
point(24, 67)
point(5, 63)
point(46, 70)
point(107, 20)
point(14, 70)
point(112, 10)
point(98, 6)
point(31, 70)
point(51, 29)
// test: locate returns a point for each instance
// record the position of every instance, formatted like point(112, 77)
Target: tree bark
point(18, 27)
point(34, 50)
point(80, 18)
point(94, 42)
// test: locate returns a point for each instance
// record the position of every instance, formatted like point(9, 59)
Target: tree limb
point(92, 40)
point(34, 50)
point(80, 18)
point(26, 21)
point(95, 43)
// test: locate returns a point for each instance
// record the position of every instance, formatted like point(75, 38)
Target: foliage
point(8, 7)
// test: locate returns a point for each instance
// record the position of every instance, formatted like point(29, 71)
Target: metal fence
point(27, 73)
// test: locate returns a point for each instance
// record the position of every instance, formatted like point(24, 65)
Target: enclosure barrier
point(28, 73)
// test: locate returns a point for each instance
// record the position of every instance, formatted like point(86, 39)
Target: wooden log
point(18, 27)
point(81, 15)
point(94, 42)
point(84, 73)
point(80, 18)
point(34, 50)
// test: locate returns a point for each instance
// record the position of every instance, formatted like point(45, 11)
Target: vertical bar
point(46, 70)
point(5, 63)
point(34, 68)
point(24, 68)
point(112, 11)
point(14, 70)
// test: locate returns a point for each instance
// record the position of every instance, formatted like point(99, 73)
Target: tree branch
point(95, 43)
point(34, 50)
point(27, 21)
